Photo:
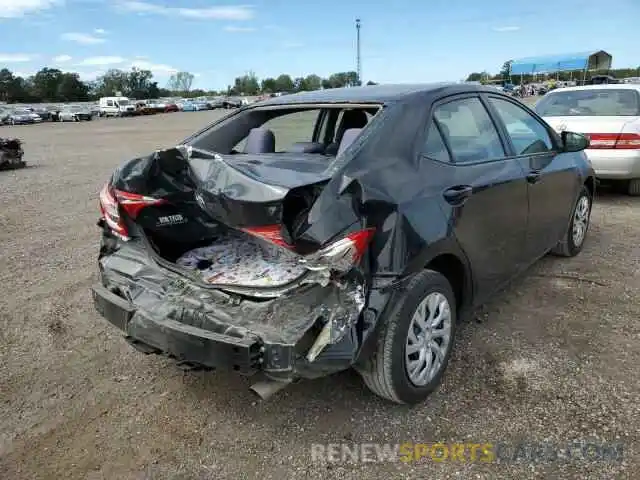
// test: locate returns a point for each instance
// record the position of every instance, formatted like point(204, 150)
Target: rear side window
point(434, 146)
point(469, 131)
point(597, 102)
point(527, 134)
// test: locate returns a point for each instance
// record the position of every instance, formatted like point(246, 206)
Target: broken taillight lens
point(271, 233)
point(110, 201)
point(342, 254)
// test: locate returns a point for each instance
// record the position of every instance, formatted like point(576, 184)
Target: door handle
point(458, 194)
point(533, 177)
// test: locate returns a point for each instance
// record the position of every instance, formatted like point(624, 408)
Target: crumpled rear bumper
point(162, 312)
point(186, 343)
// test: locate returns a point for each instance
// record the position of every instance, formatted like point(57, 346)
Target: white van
point(116, 107)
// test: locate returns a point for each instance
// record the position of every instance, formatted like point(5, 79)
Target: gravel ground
point(554, 359)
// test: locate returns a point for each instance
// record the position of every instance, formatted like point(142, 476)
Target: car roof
point(368, 94)
point(602, 86)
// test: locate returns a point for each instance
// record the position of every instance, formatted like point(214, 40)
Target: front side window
point(527, 134)
point(469, 131)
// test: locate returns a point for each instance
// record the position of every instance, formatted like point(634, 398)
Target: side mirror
point(574, 142)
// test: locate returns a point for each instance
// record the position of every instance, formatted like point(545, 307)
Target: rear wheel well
point(590, 183)
point(452, 268)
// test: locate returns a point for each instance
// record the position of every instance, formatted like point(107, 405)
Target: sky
point(402, 41)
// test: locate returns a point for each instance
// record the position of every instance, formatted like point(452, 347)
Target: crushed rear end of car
point(216, 262)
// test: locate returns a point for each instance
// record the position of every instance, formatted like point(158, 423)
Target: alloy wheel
point(581, 220)
point(428, 339)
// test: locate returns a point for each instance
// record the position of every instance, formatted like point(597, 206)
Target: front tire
point(573, 241)
point(633, 188)
point(414, 342)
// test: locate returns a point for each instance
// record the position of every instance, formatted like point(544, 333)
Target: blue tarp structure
point(599, 60)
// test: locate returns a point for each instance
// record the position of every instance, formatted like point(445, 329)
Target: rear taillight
point(271, 233)
point(341, 255)
point(110, 202)
point(618, 141)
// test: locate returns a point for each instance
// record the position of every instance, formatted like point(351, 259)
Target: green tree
point(71, 88)
point(313, 82)
point(46, 84)
point(247, 84)
point(114, 80)
point(371, 83)
point(268, 85)
point(138, 83)
point(284, 83)
point(505, 71)
point(181, 82)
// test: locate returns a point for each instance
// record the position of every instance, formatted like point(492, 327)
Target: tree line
point(505, 75)
point(54, 85)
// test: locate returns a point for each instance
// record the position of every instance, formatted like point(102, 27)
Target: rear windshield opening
point(588, 103)
point(311, 129)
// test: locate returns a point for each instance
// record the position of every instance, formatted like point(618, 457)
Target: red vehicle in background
point(171, 107)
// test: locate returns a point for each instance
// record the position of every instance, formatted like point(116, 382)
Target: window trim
point(422, 154)
point(555, 139)
point(458, 97)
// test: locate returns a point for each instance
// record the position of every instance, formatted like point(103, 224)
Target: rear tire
point(633, 188)
point(573, 240)
point(387, 371)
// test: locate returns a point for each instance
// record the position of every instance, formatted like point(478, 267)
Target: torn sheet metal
point(239, 259)
point(280, 323)
point(11, 154)
point(237, 190)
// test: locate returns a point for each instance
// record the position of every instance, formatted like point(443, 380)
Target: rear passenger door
point(551, 180)
point(485, 194)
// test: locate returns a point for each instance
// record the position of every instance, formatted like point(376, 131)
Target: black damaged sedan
point(360, 243)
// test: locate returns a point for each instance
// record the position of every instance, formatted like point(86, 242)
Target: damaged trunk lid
point(236, 222)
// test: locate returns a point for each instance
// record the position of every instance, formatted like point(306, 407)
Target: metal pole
point(358, 58)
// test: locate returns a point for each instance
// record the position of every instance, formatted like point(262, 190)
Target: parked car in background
point(21, 116)
point(359, 241)
point(192, 106)
point(171, 107)
point(610, 116)
point(157, 106)
point(116, 107)
point(232, 102)
point(144, 108)
point(75, 113)
point(45, 113)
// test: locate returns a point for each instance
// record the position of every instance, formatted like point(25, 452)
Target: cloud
point(92, 75)
point(62, 59)
point(19, 8)
point(292, 45)
point(239, 12)
point(107, 60)
point(15, 57)
point(99, 31)
point(24, 74)
point(82, 38)
point(157, 68)
point(235, 28)
point(506, 29)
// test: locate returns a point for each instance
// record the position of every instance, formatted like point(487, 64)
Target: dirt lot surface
point(555, 359)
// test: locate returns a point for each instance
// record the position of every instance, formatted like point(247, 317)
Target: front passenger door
point(550, 180)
